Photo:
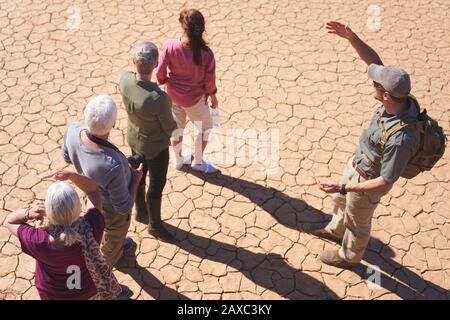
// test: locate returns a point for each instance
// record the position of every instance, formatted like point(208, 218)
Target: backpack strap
point(388, 133)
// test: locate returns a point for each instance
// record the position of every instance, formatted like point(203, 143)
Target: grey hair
point(63, 208)
point(146, 56)
point(100, 114)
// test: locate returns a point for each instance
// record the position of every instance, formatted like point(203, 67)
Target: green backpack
point(432, 142)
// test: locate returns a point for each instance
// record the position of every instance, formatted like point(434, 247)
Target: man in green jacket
point(150, 126)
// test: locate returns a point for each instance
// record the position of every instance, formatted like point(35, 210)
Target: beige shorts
point(198, 114)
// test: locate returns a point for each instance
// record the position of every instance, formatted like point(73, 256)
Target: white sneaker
point(205, 167)
point(187, 159)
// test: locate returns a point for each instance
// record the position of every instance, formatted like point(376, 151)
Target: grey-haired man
point(370, 173)
point(150, 126)
point(108, 168)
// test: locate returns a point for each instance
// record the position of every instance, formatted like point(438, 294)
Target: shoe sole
point(205, 172)
point(327, 237)
point(339, 265)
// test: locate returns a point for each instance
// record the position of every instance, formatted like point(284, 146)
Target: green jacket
point(150, 120)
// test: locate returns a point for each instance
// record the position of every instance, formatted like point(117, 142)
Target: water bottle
point(215, 117)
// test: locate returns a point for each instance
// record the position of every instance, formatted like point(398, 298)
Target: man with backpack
point(392, 146)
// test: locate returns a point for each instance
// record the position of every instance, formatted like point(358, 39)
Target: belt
point(361, 172)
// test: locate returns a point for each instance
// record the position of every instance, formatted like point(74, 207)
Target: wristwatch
point(343, 190)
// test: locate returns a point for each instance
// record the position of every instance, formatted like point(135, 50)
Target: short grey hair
point(146, 55)
point(100, 114)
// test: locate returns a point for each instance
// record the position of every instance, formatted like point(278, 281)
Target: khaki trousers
point(352, 219)
point(116, 229)
point(198, 114)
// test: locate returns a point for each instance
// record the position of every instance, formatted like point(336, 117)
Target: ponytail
point(193, 22)
point(69, 236)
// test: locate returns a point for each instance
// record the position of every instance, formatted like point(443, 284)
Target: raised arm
point(364, 51)
point(85, 184)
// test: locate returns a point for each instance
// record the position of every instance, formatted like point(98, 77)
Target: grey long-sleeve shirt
point(107, 167)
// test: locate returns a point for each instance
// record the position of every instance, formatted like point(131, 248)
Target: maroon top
point(52, 264)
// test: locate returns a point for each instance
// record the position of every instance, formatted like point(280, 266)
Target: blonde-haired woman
point(69, 264)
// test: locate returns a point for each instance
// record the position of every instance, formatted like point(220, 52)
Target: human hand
point(214, 101)
point(329, 187)
point(37, 211)
point(137, 173)
point(340, 29)
point(56, 175)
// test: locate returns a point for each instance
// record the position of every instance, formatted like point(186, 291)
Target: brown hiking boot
point(324, 234)
point(332, 258)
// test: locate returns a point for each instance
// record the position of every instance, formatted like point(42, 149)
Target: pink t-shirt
point(186, 81)
point(52, 264)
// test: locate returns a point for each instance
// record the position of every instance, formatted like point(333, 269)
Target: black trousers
point(157, 172)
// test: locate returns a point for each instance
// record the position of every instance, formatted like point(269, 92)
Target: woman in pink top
point(188, 67)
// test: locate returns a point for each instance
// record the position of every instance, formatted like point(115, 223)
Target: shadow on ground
point(148, 282)
point(269, 271)
point(295, 213)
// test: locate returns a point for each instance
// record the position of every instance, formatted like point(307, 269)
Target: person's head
point(63, 208)
point(145, 58)
point(193, 24)
point(392, 85)
point(100, 115)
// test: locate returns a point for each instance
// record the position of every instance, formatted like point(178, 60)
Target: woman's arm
point(210, 80)
point(161, 69)
point(21, 216)
point(210, 75)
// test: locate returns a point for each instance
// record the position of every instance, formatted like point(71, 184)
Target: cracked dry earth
point(240, 232)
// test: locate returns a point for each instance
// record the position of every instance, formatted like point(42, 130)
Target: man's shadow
point(290, 212)
point(297, 214)
point(402, 281)
point(269, 271)
point(148, 282)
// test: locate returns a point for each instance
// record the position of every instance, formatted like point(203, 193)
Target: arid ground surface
point(240, 233)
